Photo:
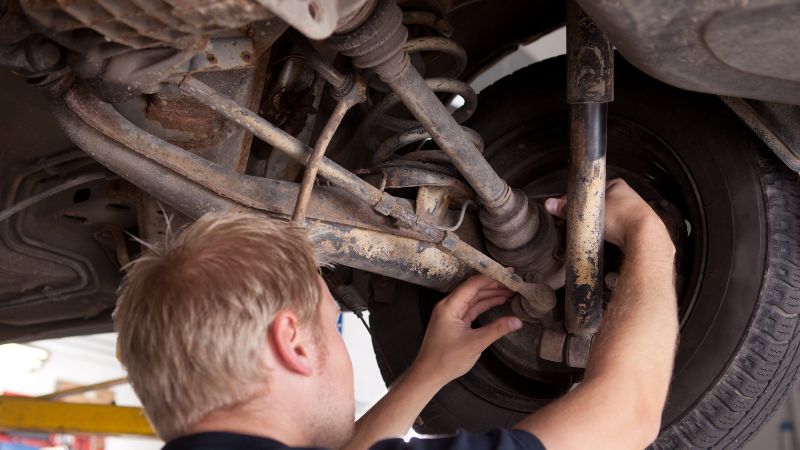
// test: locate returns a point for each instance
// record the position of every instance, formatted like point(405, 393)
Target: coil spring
point(408, 131)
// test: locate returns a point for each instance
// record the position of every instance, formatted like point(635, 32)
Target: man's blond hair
point(193, 313)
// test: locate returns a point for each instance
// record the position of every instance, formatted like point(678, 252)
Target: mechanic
point(230, 340)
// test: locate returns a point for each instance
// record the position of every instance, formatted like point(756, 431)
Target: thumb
point(488, 334)
point(556, 206)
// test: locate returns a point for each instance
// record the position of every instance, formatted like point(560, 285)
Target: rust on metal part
point(310, 174)
point(346, 100)
point(183, 114)
point(235, 191)
point(253, 192)
point(432, 204)
point(590, 59)
point(590, 86)
point(585, 219)
point(353, 233)
point(402, 258)
point(552, 344)
point(539, 297)
point(380, 44)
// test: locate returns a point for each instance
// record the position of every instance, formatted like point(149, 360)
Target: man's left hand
point(451, 346)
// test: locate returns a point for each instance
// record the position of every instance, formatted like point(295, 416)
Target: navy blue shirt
point(499, 439)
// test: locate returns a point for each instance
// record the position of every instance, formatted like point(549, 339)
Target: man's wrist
point(649, 232)
point(426, 377)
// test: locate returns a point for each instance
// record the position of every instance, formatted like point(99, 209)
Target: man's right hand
point(621, 398)
point(627, 214)
point(451, 346)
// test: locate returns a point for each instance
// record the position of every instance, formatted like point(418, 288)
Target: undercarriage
point(355, 119)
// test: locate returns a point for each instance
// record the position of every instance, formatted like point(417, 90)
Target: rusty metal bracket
point(590, 70)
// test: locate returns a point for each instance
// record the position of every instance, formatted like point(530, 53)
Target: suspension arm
point(378, 45)
point(97, 127)
point(516, 236)
point(534, 293)
point(348, 230)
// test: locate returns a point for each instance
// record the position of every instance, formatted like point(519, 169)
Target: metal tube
point(585, 217)
point(362, 246)
point(36, 198)
point(313, 58)
point(159, 167)
point(352, 92)
point(377, 44)
point(590, 86)
point(539, 297)
point(279, 139)
point(426, 107)
point(310, 174)
point(336, 174)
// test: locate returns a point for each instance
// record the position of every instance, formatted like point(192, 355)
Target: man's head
point(230, 312)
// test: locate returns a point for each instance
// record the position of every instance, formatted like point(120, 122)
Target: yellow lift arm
point(31, 414)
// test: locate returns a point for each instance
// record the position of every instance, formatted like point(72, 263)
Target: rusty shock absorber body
point(590, 87)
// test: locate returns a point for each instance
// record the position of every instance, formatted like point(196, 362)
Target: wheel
point(733, 211)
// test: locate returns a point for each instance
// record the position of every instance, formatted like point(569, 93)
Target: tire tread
point(760, 376)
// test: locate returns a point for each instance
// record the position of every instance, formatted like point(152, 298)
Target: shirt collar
point(219, 440)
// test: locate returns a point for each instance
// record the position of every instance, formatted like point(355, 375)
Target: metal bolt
point(551, 345)
point(211, 58)
point(246, 56)
point(578, 346)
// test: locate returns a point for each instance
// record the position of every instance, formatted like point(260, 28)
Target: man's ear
point(290, 343)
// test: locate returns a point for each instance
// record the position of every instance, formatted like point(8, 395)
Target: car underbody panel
point(740, 49)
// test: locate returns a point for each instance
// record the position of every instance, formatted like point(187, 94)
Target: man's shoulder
point(497, 439)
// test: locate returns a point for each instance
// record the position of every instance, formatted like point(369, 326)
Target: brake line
point(34, 199)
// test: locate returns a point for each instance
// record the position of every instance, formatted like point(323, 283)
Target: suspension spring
point(386, 134)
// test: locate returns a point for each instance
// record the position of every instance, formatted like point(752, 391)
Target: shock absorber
point(519, 233)
point(590, 87)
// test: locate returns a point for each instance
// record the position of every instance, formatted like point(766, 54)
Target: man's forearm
point(449, 350)
point(396, 412)
point(630, 364)
point(639, 333)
